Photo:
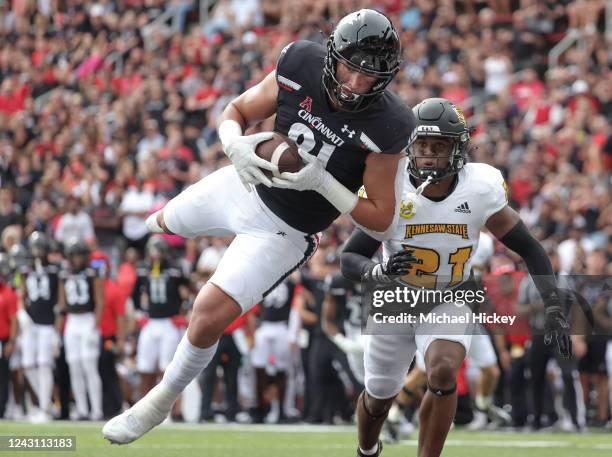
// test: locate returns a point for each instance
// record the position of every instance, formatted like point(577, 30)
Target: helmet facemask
point(443, 165)
point(345, 98)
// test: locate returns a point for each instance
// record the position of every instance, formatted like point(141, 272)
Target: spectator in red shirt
point(8, 328)
point(502, 288)
point(112, 329)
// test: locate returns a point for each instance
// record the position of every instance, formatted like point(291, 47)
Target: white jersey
point(444, 235)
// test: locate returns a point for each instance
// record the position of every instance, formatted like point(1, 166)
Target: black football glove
point(556, 325)
point(397, 264)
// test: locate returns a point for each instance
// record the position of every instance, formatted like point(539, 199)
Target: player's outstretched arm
point(507, 227)
point(383, 181)
point(254, 105)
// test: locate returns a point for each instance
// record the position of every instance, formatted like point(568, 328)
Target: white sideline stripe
point(412, 443)
point(497, 443)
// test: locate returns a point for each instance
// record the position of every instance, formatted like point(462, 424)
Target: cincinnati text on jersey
point(317, 124)
point(450, 229)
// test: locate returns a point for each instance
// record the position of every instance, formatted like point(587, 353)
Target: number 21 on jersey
point(423, 273)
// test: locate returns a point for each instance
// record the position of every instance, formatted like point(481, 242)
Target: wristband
point(229, 130)
point(343, 199)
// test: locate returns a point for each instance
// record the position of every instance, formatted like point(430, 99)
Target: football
point(281, 151)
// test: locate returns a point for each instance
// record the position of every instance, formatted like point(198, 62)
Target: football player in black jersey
point(81, 300)
point(271, 354)
point(39, 287)
point(342, 319)
point(331, 100)
point(159, 291)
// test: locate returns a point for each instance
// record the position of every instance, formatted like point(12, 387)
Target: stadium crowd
point(103, 120)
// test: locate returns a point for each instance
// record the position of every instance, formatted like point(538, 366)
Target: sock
point(152, 225)
point(94, 387)
point(483, 402)
point(372, 451)
point(45, 387)
point(32, 376)
point(77, 382)
point(395, 414)
point(187, 363)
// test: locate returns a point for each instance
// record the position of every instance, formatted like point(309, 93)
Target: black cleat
point(380, 448)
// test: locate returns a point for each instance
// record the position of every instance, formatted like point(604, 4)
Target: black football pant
point(326, 391)
point(539, 357)
point(62, 379)
point(112, 398)
point(4, 382)
point(228, 356)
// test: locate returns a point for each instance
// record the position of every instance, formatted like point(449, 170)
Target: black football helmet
point(19, 257)
point(439, 118)
point(157, 248)
point(365, 41)
point(77, 253)
point(76, 247)
point(39, 246)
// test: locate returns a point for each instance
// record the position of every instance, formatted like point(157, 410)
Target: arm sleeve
point(357, 255)
point(524, 244)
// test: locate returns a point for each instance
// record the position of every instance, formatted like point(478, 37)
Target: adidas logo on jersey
point(463, 208)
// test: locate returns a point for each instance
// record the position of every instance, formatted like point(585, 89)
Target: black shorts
point(594, 361)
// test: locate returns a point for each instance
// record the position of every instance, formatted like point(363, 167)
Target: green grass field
point(300, 441)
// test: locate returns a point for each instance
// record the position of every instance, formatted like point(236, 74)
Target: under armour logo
point(349, 132)
point(306, 104)
point(281, 233)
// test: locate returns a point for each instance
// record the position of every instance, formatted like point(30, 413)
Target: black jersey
point(317, 288)
point(341, 140)
point(41, 286)
point(276, 306)
point(79, 289)
point(162, 288)
point(348, 299)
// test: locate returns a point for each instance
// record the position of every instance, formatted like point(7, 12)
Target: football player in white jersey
point(445, 204)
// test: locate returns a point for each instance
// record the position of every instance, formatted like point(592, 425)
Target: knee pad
point(379, 387)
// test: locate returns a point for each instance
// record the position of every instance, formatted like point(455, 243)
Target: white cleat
point(479, 422)
point(147, 413)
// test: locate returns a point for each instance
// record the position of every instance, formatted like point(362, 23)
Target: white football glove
point(24, 319)
point(241, 151)
point(347, 346)
point(311, 177)
point(315, 177)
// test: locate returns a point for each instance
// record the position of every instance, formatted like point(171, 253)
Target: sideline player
point(444, 206)
point(333, 103)
point(342, 320)
point(272, 343)
point(81, 300)
point(38, 298)
point(160, 289)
